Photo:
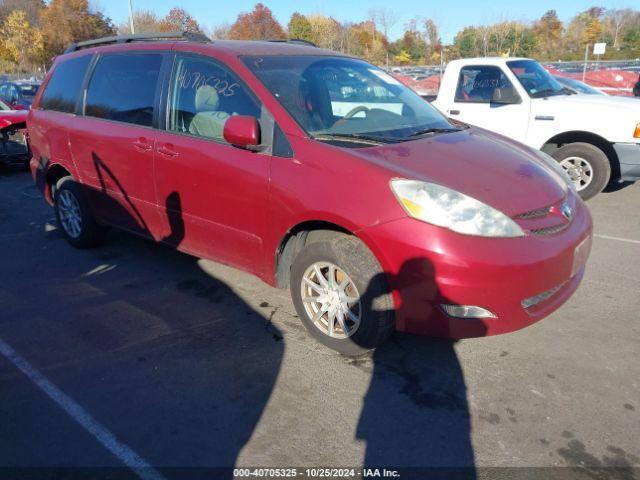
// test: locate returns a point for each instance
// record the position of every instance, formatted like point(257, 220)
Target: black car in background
point(19, 94)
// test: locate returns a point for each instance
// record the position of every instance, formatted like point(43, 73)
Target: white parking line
point(619, 239)
point(127, 456)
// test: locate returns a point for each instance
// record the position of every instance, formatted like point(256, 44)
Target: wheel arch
point(294, 240)
point(54, 173)
point(575, 136)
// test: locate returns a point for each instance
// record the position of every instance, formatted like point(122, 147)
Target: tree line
point(33, 32)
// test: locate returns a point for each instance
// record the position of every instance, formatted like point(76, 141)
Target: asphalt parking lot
point(134, 352)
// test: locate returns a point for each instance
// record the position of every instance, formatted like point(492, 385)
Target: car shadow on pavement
point(415, 414)
point(165, 355)
point(616, 186)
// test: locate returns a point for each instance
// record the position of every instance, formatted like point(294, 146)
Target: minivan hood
point(488, 167)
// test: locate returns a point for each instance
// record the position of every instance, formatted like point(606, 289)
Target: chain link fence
point(20, 77)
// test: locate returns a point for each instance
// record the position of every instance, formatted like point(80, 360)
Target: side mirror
point(242, 131)
point(505, 96)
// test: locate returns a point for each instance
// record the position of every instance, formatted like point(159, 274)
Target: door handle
point(167, 150)
point(454, 112)
point(142, 144)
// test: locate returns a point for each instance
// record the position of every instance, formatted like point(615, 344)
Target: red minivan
point(314, 171)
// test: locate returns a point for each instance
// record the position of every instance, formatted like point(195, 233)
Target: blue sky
point(449, 15)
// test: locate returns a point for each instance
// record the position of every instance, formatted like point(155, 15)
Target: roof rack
point(293, 40)
point(141, 37)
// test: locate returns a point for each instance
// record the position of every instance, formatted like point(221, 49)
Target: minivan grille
point(549, 230)
point(548, 220)
point(538, 213)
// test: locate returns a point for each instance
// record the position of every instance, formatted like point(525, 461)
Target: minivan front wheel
point(74, 215)
point(587, 166)
point(341, 294)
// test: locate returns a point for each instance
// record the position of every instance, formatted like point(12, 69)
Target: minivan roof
point(232, 47)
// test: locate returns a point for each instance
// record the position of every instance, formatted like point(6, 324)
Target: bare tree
point(500, 33)
point(618, 18)
point(385, 19)
point(220, 31)
point(484, 31)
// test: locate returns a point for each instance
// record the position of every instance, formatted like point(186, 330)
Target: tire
point(356, 264)
point(587, 164)
point(69, 196)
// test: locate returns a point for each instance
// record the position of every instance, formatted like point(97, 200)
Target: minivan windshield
point(535, 79)
point(336, 98)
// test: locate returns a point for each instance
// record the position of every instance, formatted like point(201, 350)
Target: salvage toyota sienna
point(315, 171)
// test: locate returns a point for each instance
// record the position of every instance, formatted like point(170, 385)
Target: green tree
point(21, 42)
point(465, 43)
point(299, 27)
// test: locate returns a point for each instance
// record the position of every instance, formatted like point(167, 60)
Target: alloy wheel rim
point(331, 300)
point(579, 170)
point(69, 213)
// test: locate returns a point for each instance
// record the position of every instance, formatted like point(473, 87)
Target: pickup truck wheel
point(341, 295)
point(74, 215)
point(587, 166)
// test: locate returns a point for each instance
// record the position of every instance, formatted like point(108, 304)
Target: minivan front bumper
point(519, 280)
point(629, 159)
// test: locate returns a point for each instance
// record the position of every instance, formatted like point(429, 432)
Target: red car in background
point(14, 147)
point(316, 172)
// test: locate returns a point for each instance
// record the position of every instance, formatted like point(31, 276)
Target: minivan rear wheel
point(341, 294)
point(587, 166)
point(74, 215)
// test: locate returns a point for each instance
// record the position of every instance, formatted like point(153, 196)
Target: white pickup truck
point(596, 138)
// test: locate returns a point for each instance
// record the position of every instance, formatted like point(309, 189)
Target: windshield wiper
point(357, 137)
point(427, 131)
point(548, 92)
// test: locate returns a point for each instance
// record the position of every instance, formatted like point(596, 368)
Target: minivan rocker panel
point(334, 180)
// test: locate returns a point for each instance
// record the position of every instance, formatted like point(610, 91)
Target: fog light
point(466, 311)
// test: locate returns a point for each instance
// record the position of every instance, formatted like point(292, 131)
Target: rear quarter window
point(64, 86)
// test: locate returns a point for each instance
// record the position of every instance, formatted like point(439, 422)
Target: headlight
point(456, 211)
point(551, 162)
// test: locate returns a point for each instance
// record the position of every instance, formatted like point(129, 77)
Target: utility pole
point(131, 26)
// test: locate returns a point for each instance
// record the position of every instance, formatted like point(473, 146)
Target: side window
point(63, 88)
point(14, 96)
point(123, 88)
point(477, 84)
point(203, 96)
